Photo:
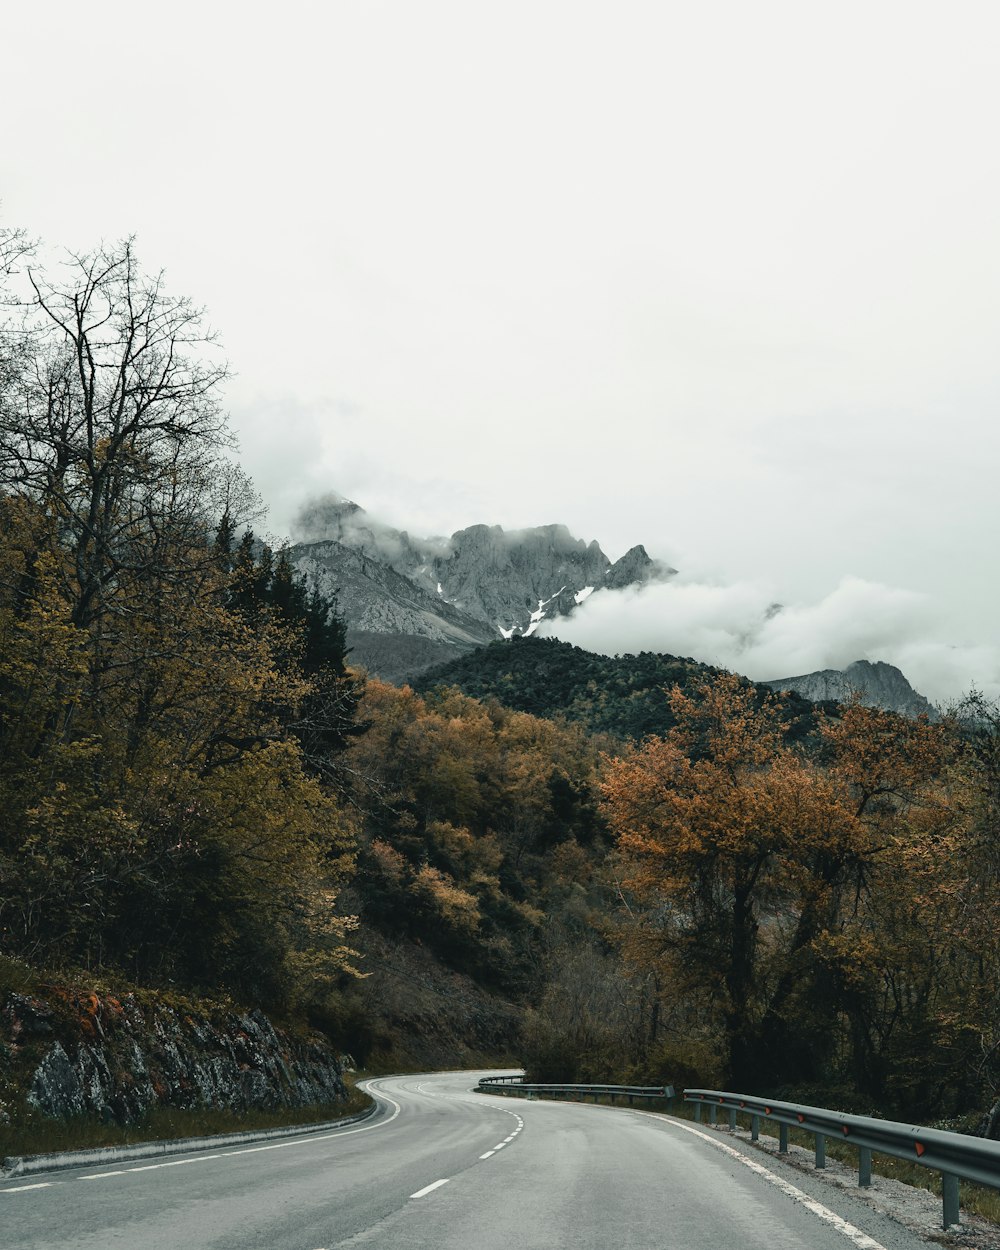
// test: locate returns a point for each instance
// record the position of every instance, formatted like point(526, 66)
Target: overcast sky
point(720, 278)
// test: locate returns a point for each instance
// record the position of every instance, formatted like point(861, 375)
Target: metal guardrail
point(955, 1155)
point(517, 1086)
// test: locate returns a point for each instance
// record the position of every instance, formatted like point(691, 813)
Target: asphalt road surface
point(442, 1168)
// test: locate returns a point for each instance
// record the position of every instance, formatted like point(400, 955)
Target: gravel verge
point(918, 1209)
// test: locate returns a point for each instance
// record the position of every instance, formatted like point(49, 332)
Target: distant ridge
point(414, 604)
point(622, 695)
point(878, 684)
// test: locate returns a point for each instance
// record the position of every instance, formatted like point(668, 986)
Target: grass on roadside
point(40, 1135)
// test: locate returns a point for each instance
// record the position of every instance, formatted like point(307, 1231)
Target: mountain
point(878, 684)
point(621, 695)
point(410, 603)
point(413, 604)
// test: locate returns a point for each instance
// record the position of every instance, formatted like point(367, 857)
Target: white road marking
point(489, 1154)
point(150, 1167)
point(500, 1145)
point(298, 1141)
point(860, 1239)
point(246, 1150)
point(427, 1188)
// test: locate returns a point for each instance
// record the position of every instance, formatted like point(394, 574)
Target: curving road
point(442, 1168)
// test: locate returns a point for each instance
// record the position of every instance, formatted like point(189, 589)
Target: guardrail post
point(732, 1119)
point(755, 1128)
point(713, 1116)
point(949, 1193)
point(697, 1113)
point(783, 1139)
point(864, 1166)
point(820, 1150)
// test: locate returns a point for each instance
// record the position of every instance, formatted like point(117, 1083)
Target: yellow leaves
point(478, 857)
point(387, 861)
point(271, 811)
point(855, 956)
point(450, 760)
point(884, 758)
point(721, 722)
point(455, 906)
point(720, 809)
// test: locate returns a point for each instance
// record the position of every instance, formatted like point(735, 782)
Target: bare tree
point(115, 427)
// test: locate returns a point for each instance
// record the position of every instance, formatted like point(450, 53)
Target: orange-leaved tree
point(735, 852)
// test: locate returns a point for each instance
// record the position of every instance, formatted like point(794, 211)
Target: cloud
point(331, 517)
point(740, 627)
point(737, 626)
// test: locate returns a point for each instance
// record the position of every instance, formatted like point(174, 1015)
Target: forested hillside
point(635, 867)
point(621, 695)
point(172, 702)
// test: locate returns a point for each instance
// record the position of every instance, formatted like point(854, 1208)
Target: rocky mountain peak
point(635, 568)
point(878, 684)
point(482, 583)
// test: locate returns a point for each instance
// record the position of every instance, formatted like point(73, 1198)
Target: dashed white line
point(488, 1154)
point(427, 1188)
point(19, 1189)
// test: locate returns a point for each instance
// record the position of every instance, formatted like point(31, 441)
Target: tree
point(734, 850)
point(157, 809)
point(117, 429)
point(812, 900)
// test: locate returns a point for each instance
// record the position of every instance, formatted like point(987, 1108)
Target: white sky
point(721, 278)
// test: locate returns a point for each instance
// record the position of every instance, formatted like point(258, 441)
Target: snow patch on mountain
point(479, 584)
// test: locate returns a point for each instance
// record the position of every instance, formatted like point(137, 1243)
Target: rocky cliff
point(878, 684)
point(63, 1054)
point(413, 602)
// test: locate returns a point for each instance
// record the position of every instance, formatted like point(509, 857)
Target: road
point(443, 1168)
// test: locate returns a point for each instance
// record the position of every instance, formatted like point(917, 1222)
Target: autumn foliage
point(810, 907)
point(165, 808)
point(621, 876)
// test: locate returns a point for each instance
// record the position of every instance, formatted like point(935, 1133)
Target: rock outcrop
point(635, 568)
point(878, 684)
point(115, 1058)
point(410, 603)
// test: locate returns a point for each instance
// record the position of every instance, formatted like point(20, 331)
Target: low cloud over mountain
point(740, 627)
point(410, 600)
